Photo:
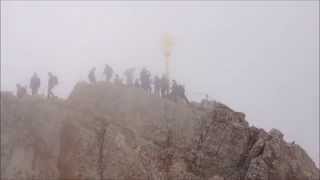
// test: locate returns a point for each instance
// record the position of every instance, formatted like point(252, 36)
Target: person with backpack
point(52, 82)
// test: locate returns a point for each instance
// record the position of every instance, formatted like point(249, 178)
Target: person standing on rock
point(182, 93)
point(145, 80)
point(92, 76)
point(129, 73)
point(108, 72)
point(52, 82)
point(174, 91)
point(156, 85)
point(21, 91)
point(35, 84)
point(164, 86)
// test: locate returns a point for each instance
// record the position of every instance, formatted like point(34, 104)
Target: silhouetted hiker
point(108, 71)
point(136, 84)
point(174, 90)
point(92, 76)
point(21, 91)
point(181, 92)
point(34, 84)
point(129, 76)
point(52, 82)
point(156, 85)
point(145, 80)
point(164, 86)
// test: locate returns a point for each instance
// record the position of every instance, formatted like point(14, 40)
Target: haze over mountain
point(260, 58)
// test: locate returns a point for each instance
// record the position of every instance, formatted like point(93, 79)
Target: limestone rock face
point(30, 128)
point(109, 132)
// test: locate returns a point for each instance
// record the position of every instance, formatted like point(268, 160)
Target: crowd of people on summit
point(158, 86)
point(35, 83)
point(152, 85)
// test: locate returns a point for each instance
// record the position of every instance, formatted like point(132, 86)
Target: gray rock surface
point(104, 131)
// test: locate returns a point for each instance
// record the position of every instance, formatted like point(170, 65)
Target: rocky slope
point(109, 132)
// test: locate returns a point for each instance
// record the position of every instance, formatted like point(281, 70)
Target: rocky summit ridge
point(107, 132)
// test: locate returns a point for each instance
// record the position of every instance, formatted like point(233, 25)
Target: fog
point(260, 58)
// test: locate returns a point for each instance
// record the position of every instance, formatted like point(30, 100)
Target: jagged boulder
point(106, 131)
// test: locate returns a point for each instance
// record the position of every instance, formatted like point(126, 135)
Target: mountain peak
point(107, 131)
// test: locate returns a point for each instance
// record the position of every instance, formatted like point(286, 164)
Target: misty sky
point(260, 58)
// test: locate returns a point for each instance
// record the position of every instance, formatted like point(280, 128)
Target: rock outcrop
point(109, 132)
